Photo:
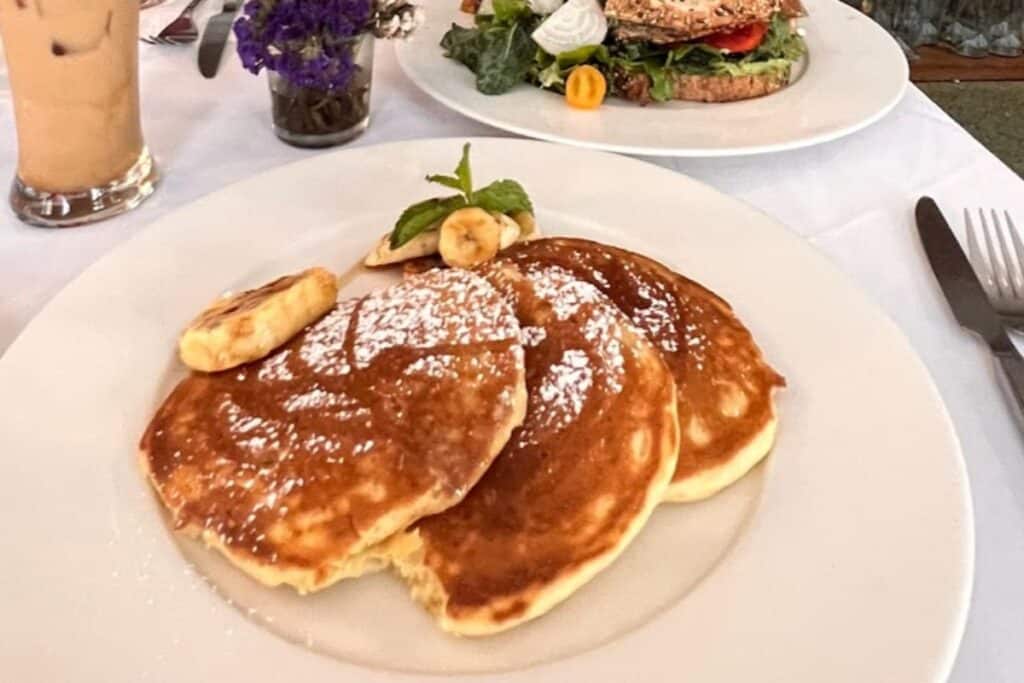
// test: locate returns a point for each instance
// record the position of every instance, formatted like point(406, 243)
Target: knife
point(215, 37)
point(967, 297)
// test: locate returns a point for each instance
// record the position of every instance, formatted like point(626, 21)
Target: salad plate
point(853, 74)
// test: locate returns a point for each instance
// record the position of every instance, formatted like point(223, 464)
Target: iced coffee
point(73, 70)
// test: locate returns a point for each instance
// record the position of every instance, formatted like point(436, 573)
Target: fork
point(999, 267)
point(181, 31)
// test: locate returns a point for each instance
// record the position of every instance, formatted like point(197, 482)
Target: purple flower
point(308, 42)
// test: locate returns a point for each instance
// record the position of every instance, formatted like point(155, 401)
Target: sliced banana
point(423, 244)
point(469, 237)
point(510, 231)
point(248, 326)
point(528, 229)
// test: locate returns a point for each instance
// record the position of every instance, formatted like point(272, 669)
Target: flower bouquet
point(319, 57)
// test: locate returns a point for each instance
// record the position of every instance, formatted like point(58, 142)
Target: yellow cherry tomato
point(585, 88)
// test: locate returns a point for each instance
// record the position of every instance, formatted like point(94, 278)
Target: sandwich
point(646, 50)
point(703, 50)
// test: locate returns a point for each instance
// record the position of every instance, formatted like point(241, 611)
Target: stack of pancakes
point(498, 436)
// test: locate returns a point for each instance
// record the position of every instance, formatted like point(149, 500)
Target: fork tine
point(1013, 274)
point(977, 257)
point(1002, 283)
point(1018, 248)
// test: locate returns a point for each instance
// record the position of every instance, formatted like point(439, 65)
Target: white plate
point(854, 75)
point(848, 558)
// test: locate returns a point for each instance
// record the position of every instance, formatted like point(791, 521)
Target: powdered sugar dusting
point(593, 360)
point(656, 318)
point(432, 309)
point(323, 349)
point(433, 366)
point(275, 368)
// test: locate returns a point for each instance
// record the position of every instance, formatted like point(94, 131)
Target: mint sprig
point(501, 196)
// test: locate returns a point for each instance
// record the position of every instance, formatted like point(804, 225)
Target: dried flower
point(310, 43)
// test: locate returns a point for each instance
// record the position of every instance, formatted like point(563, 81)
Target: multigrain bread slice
point(671, 21)
point(636, 86)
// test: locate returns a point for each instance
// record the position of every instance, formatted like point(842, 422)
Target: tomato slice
point(743, 39)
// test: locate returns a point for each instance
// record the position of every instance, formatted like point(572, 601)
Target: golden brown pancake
point(576, 481)
point(726, 410)
point(388, 409)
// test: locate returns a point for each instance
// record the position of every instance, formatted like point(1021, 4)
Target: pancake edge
point(710, 481)
point(360, 560)
point(405, 551)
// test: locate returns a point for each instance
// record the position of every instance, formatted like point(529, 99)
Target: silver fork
point(999, 263)
point(181, 31)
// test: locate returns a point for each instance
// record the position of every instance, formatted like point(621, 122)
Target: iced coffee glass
point(73, 70)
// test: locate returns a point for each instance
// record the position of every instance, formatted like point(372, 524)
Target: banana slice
point(528, 229)
point(510, 231)
point(424, 244)
point(248, 326)
point(469, 237)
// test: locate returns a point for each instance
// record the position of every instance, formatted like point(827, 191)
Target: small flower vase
point(313, 117)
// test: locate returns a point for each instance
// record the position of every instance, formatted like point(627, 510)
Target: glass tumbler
point(73, 70)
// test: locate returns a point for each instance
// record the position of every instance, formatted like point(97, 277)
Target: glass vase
point(312, 117)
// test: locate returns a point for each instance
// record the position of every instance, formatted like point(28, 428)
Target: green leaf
point(578, 56)
point(462, 45)
point(462, 180)
point(503, 196)
point(510, 11)
point(661, 82)
point(506, 56)
point(551, 76)
point(446, 180)
point(464, 173)
point(422, 215)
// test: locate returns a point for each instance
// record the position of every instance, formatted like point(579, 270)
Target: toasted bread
point(636, 86)
point(673, 21)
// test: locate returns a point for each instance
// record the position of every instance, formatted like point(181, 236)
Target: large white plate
point(855, 74)
point(847, 558)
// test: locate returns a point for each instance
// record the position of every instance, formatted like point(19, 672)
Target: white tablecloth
point(853, 199)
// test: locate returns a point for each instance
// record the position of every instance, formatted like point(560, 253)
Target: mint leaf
point(446, 180)
point(422, 215)
point(503, 196)
point(464, 173)
point(463, 178)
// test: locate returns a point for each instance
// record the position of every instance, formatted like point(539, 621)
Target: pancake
point(727, 413)
point(388, 409)
point(577, 480)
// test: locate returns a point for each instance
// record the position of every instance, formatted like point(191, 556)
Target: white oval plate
point(854, 75)
point(847, 558)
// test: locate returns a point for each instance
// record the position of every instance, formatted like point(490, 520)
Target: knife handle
point(1011, 367)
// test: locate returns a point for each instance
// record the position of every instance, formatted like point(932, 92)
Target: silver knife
point(967, 297)
point(215, 37)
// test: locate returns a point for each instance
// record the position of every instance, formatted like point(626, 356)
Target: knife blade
point(215, 38)
point(963, 290)
point(967, 298)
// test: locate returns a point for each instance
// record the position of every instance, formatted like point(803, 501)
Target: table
point(853, 199)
